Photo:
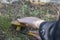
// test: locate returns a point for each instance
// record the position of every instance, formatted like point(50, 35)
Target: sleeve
point(45, 30)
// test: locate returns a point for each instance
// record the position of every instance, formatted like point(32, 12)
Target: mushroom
point(18, 25)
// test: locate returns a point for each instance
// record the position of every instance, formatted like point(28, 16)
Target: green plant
point(35, 13)
point(4, 22)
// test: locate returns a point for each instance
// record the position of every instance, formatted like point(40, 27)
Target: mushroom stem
point(18, 28)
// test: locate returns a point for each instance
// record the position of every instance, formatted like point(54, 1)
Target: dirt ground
point(16, 10)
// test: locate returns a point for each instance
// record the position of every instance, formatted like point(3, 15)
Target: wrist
point(38, 23)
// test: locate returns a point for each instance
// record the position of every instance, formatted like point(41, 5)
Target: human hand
point(33, 22)
point(35, 34)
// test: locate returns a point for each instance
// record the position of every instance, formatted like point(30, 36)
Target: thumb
point(35, 34)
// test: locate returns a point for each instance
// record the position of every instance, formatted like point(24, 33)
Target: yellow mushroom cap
point(31, 34)
point(15, 22)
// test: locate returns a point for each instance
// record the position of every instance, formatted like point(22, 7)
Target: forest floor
point(9, 12)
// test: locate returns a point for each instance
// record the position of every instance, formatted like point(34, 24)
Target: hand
point(33, 22)
point(36, 34)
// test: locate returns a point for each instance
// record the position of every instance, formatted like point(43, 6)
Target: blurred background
point(13, 9)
